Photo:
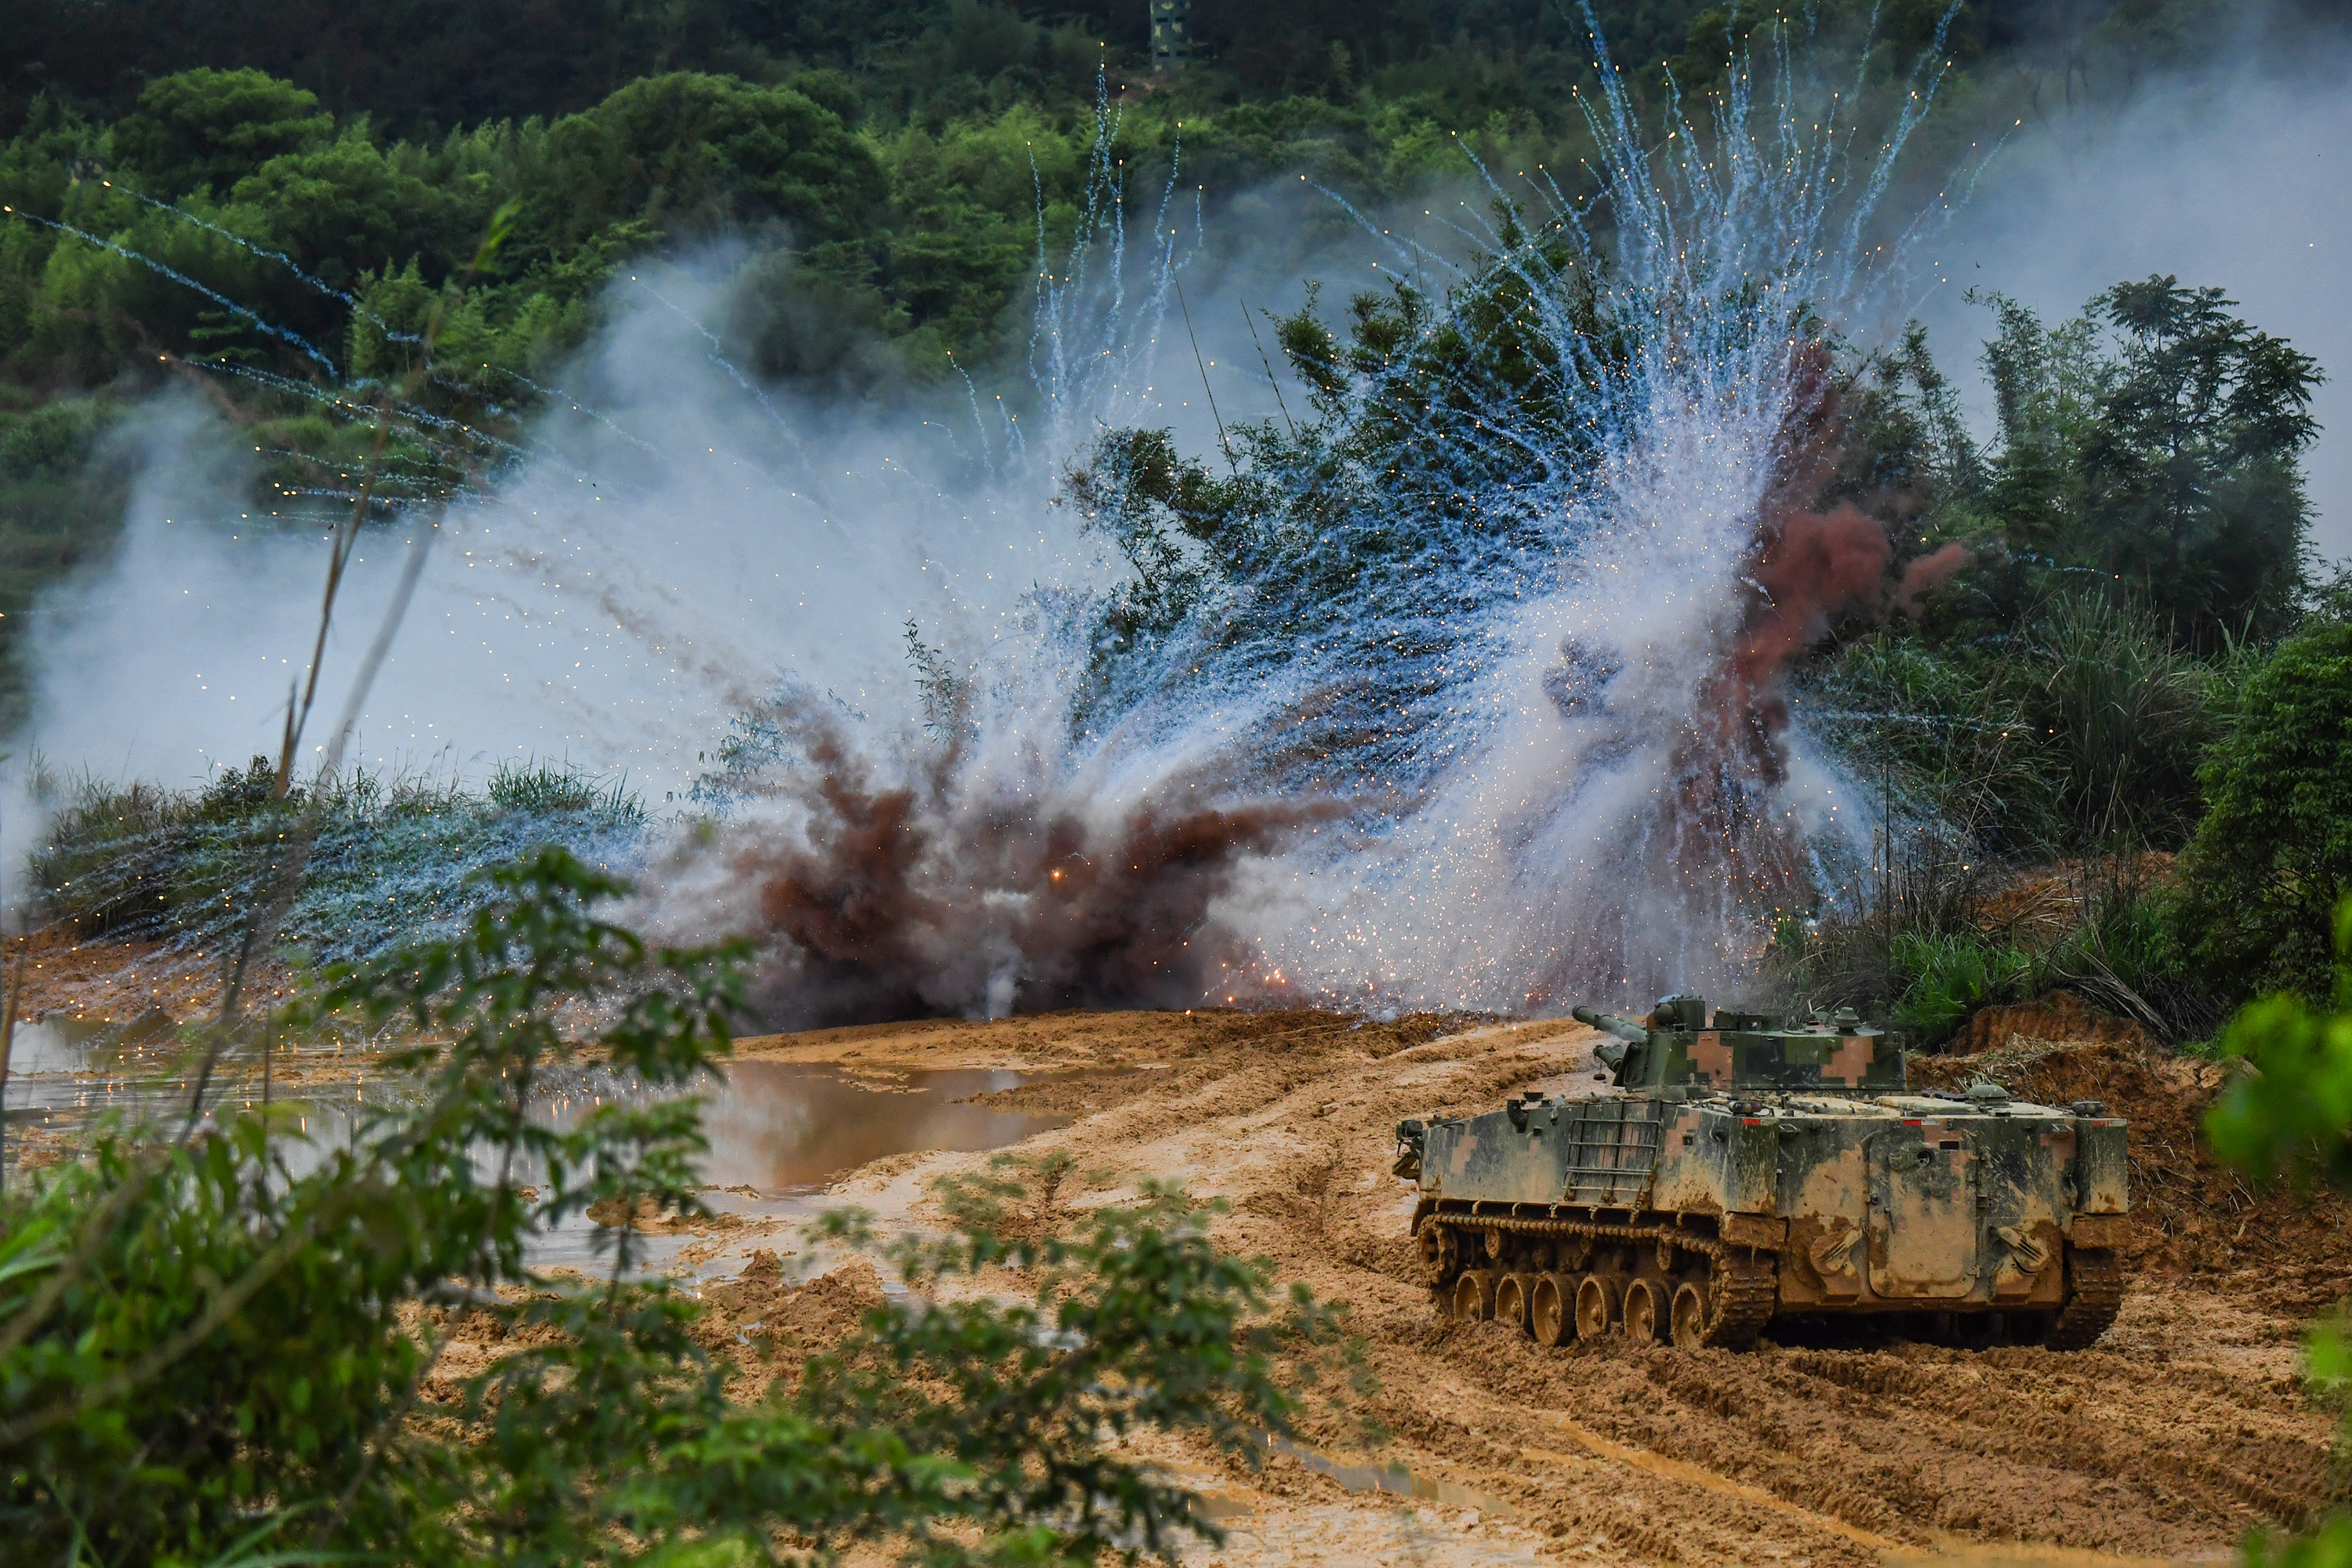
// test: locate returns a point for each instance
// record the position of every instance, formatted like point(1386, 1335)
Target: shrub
point(1942, 980)
point(2291, 1119)
point(2273, 853)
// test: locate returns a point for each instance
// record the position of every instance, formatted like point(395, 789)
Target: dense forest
point(885, 164)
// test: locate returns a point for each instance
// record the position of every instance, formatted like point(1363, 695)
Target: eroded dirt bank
point(2183, 1429)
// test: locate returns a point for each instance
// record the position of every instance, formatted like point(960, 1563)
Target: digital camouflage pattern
point(1740, 1171)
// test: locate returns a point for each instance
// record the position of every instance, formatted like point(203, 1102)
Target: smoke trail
point(301, 344)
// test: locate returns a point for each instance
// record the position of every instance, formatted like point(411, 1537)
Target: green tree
point(2163, 457)
point(697, 154)
point(203, 129)
point(2192, 488)
point(343, 209)
point(2273, 852)
point(2046, 384)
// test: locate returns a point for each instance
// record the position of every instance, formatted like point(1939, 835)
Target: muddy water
point(65, 1044)
point(778, 1131)
point(786, 1128)
point(1395, 1479)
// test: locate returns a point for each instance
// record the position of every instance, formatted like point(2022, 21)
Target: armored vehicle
point(1739, 1170)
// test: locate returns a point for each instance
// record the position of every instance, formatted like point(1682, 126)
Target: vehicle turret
point(1623, 1028)
point(1629, 1034)
point(1681, 1047)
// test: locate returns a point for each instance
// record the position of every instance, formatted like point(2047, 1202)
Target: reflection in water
point(65, 1072)
point(787, 1127)
point(783, 1130)
point(778, 1131)
point(62, 1043)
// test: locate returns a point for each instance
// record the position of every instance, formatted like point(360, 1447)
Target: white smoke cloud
point(673, 540)
point(643, 576)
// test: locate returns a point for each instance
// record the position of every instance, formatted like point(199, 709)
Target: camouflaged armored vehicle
point(1739, 1170)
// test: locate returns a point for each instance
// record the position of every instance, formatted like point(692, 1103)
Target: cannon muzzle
point(1625, 1029)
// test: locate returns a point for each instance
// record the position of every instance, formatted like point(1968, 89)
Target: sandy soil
point(2186, 1427)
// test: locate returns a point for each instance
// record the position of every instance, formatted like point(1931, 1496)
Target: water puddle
point(789, 1127)
point(62, 1043)
point(1394, 1480)
point(779, 1132)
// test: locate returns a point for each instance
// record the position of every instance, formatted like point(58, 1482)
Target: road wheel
point(1596, 1306)
point(1473, 1295)
point(1551, 1314)
point(1441, 1251)
point(1514, 1295)
point(1689, 1316)
point(1646, 1314)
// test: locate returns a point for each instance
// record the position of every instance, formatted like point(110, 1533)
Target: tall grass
point(1928, 959)
point(2070, 745)
point(2079, 735)
point(391, 855)
point(2124, 714)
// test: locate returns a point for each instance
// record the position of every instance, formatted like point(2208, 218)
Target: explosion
point(923, 895)
point(1472, 691)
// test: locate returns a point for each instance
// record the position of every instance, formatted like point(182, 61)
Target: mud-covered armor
point(1738, 1171)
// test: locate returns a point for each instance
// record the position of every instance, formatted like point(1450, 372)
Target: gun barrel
point(1625, 1029)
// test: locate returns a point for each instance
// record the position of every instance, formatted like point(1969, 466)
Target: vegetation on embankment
point(2137, 612)
point(2102, 639)
point(382, 859)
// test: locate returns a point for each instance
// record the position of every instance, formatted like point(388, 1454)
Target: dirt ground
point(2186, 1427)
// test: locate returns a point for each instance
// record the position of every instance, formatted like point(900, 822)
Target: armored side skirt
point(1561, 1271)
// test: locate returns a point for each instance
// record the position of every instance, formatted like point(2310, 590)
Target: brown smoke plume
point(1809, 567)
point(1925, 572)
point(935, 895)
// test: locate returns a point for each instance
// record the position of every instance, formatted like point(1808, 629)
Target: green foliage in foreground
point(203, 1353)
point(2290, 1119)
